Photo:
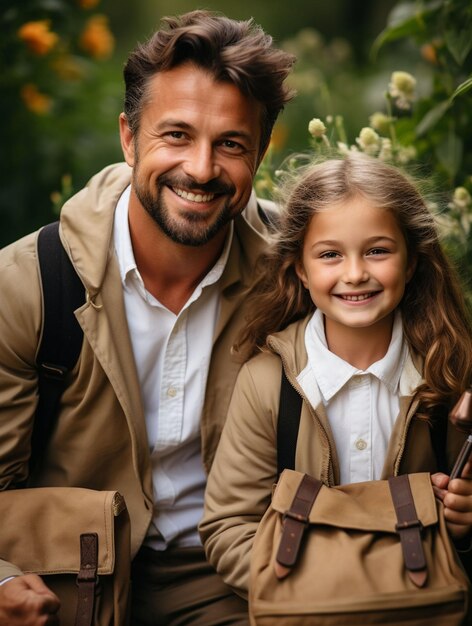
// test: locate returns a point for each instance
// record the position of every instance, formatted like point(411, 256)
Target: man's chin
point(191, 235)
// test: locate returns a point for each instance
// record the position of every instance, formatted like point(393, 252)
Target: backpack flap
point(351, 506)
point(41, 528)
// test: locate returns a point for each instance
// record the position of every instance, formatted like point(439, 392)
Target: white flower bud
point(316, 128)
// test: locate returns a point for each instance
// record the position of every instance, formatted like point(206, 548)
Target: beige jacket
point(100, 441)
point(244, 470)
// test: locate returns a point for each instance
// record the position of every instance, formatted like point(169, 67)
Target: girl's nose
point(355, 272)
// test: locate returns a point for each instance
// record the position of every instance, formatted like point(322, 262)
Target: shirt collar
point(332, 372)
point(122, 237)
point(125, 254)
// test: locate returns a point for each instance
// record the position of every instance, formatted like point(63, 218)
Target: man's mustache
point(187, 182)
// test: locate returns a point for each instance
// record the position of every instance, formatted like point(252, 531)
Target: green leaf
point(406, 29)
point(463, 88)
point(459, 43)
point(405, 21)
point(449, 154)
point(432, 117)
point(52, 5)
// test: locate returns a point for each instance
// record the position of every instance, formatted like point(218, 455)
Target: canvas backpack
point(376, 552)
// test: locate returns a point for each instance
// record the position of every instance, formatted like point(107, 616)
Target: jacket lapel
point(103, 321)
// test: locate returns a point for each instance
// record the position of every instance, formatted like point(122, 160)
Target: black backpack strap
point(288, 423)
point(438, 430)
point(61, 341)
point(270, 217)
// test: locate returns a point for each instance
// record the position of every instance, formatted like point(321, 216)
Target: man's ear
point(127, 140)
point(300, 270)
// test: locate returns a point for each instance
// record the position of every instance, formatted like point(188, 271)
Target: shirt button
point(361, 444)
point(172, 392)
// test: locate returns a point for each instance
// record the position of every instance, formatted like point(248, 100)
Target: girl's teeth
point(363, 296)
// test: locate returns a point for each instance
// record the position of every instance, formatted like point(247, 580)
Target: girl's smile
point(358, 298)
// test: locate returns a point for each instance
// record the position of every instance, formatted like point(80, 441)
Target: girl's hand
point(456, 496)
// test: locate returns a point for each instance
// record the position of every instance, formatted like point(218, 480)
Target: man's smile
point(193, 197)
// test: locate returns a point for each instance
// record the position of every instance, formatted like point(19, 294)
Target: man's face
point(195, 154)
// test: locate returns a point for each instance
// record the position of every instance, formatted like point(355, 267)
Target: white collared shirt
point(362, 406)
point(172, 354)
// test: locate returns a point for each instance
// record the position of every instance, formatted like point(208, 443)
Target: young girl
point(372, 331)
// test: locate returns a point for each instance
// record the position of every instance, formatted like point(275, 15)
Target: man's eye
point(233, 146)
point(176, 134)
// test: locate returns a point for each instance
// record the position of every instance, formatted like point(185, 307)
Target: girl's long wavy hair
point(435, 317)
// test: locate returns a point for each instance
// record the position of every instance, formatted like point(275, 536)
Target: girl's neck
point(359, 346)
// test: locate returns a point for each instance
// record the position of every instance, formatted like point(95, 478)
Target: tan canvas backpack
point(78, 541)
point(366, 553)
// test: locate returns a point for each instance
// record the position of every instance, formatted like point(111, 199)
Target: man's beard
point(191, 228)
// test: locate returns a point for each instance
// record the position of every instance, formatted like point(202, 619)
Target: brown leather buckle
point(303, 519)
point(415, 523)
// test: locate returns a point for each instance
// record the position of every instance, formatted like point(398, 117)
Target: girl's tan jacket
point(244, 470)
point(100, 441)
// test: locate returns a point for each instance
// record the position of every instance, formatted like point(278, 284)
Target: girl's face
point(355, 265)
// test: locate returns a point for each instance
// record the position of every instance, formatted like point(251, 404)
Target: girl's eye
point(376, 251)
point(330, 254)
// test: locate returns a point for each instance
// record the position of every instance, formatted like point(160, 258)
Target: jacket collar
point(94, 205)
point(289, 344)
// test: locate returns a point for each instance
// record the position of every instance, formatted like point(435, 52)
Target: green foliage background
point(347, 52)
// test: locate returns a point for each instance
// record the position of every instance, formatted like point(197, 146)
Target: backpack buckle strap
point(295, 521)
point(51, 371)
point(87, 579)
point(408, 524)
point(409, 529)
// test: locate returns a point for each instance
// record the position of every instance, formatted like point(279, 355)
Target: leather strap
point(409, 529)
point(87, 579)
point(296, 521)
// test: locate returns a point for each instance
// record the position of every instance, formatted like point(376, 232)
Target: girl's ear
point(300, 270)
point(410, 270)
point(127, 140)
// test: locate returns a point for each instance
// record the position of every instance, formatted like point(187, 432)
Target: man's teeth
point(361, 296)
point(194, 197)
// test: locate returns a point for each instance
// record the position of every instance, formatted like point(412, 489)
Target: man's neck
point(170, 271)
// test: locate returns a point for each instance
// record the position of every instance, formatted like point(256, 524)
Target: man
point(165, 255)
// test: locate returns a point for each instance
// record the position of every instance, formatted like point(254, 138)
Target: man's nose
point(201, 163)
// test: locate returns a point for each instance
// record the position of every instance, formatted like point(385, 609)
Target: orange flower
point(67, 68)
point(87, 4)
point(428, 52)
point(34, 100)
point(96, 39)
point(37, 36)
